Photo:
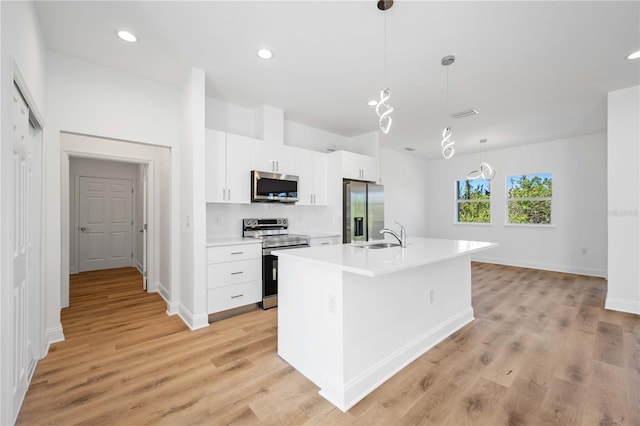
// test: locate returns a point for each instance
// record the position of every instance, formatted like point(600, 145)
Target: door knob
point(82, 228)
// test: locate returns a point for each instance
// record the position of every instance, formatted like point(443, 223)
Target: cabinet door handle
point(277, 166)
point(237, 252)
point(236, 273)
point(325, 244)
point(229, 194)
point(236, 296)
point(224, 192)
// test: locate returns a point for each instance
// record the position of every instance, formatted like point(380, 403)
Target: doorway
point(107, 206)
point(152, 162)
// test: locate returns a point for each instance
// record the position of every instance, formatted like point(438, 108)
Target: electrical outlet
point(331, 303)
point(432, 295)
point(584, 251)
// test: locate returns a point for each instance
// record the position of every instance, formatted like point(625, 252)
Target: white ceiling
point(536, 71)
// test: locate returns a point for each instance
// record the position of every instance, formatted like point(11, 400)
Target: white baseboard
point(173, 308)
point(345, 397)
point(53, 335)
point(138, 266)
point(623, 305)
point(578, 270)
point(194, 322)
point(73, 269)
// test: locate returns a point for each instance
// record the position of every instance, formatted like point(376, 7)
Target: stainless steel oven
point(275, 236)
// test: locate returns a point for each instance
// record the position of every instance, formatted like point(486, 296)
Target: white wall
point(579, 168)
point(84, 98)
point(406, 187)
point(97, 168)
point(229, 118)
point(623, 131)
point(20, 39)
point(193, 290)
point(225, 220)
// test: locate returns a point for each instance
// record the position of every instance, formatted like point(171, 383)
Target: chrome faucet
point(402, 238)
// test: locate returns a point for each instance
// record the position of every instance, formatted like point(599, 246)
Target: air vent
point(409, 149)
point(465, 113)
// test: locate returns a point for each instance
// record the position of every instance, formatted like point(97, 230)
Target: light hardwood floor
point(541, 351)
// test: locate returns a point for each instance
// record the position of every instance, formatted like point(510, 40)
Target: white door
point(105, 223)
point(25, 255)
point(145, 172)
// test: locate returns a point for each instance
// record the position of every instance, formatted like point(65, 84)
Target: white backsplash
point(225, 220)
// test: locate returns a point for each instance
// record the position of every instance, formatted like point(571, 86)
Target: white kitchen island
point(350, 317)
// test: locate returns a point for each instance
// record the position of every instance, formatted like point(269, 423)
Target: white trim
point(357, 388)
point(474, 223)
point(194, 322)
point(529, 225)
point(172, 307)
point(622, 305)
point(54, 335)
point(138, 266)
point(592, 272)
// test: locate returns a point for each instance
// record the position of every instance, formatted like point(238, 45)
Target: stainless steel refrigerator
point(363, 211)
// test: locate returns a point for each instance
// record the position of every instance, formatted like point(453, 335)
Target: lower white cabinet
point(234, 276)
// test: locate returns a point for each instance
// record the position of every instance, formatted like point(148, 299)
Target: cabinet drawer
point(323, 241)
point(233, 296)
point(233, 253)
point(224, 274)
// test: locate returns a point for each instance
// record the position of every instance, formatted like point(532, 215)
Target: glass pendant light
point(486, 172)
point(447, 143)
point(383, 109)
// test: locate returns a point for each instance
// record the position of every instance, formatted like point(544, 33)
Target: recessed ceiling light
point(265, 54)
point(126, 36)
point(372, 102)
point(634, 55)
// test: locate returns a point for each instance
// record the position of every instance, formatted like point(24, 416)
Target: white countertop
point(229, 241)
point(375, 262)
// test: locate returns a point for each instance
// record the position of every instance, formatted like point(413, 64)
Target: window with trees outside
point(472, 201)
point(529, 199)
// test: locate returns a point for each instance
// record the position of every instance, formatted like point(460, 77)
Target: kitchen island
point(351, 316)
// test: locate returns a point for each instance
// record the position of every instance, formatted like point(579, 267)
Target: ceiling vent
point(465, 113)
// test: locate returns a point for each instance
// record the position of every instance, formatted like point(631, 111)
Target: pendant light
point(383, 109)
point(486, 172)
point(447, 143)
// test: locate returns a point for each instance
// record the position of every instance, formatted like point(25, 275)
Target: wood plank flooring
point(541, 351)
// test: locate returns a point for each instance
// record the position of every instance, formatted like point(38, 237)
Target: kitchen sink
point(380, 245)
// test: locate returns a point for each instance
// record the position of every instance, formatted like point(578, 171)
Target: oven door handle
point(267, 251)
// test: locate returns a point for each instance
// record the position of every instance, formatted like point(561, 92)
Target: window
point(529, 199)
point(472, 201)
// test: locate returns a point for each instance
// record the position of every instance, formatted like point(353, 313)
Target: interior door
point(105, 223)
point(22, 348)
point(145, 170)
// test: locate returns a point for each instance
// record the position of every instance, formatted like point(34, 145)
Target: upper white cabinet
point(228, 164)
point(270, 157)
point(311, 168)
point(358, 166)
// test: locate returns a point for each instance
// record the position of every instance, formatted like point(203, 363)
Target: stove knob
point(284, 221)
point(279, 221)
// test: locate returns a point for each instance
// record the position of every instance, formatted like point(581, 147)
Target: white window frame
point(456, 202)
point(507, 200)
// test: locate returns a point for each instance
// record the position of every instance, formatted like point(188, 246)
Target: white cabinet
point(324, 241)
point(311, 168)
point(358, 166)
point(234, 276)
point(228, 168)
point(270, 157)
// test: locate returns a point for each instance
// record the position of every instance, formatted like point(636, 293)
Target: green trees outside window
point(529, 198)
point(473, 205)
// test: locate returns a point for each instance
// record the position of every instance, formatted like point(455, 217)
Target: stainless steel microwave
point(273, 187)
